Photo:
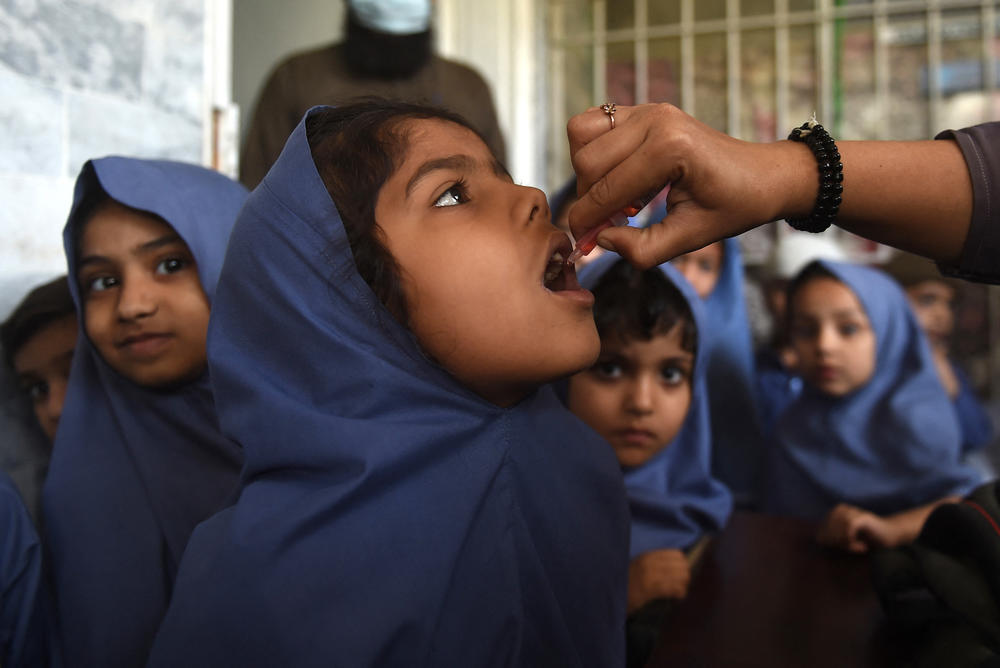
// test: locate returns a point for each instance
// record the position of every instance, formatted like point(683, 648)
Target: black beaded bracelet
point(831, 176)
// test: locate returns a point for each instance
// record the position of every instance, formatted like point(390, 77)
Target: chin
point(585, 349)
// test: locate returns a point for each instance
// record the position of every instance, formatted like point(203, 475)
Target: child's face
point(473, 249)
point(144, 308)
point(932, 304)
point(701, 268)
point(637, 395)
point(832, 337)
point(42, 365)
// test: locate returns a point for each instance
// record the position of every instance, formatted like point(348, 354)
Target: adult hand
point(720, 186)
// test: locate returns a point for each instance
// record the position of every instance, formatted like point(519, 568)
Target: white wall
point(505, 42)
point(265, 31)
point(81, 79)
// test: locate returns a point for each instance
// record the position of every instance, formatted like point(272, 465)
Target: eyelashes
point(457, 193)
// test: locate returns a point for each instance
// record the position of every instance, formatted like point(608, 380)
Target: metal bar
point(641, 53)
point(880, 24)
point(733, 74)
point(600, 52)
point(687, 57)
point(824, 44)
point(934, 66)
point(782, 66)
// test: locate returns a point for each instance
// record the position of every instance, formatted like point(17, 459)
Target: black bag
point(942, 592)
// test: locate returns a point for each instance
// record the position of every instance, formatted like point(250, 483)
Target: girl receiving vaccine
point(138, 458)
point(391, 309)
point(872, 445)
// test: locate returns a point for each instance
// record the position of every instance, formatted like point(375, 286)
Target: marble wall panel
point(100, 126)
point(174, 63)
point(31, 126)
point(31, 220)
point(64, 42)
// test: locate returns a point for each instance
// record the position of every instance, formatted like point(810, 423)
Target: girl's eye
point(38, 391)
point(170, 265)
point(804, 331)
point(673, 375)
point(849, 329)
point(608, 370)
point(452, 196)
point(101, 283)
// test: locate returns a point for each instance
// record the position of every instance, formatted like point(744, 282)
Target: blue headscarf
point(388, 515)
point(673, 497)
point(892, 444)
point(133, 469)
point(737, 449)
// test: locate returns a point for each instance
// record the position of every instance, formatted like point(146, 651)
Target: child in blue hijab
point(138, 458)
point(716, 273)
point(646, 396)
point(391, 309)
point(871, 445)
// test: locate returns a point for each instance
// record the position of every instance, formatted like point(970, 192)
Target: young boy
point(646, 396)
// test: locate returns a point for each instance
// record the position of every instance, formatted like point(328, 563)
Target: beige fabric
point(321, 77)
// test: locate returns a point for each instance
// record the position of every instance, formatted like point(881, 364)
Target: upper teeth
point(555, 266)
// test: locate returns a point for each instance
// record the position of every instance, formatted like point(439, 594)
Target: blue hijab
point(673, 497)
point(133, 469)
point(388, 515)
point(737, 449)
point(891, 445)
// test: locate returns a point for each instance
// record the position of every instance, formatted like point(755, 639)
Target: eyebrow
point(141, 249)
point(457, 162)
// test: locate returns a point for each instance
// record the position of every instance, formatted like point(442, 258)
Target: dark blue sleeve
point(978, 261)
point(977, 428)
point(23, 610)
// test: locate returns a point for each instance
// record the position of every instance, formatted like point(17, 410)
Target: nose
point(639, 397)
point(687, 269)
point(535, 205)
point(136, 298)
point(826, 339)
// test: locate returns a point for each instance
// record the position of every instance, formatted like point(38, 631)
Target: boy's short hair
point(45, 304)
point(632, 304)
point(356, 148)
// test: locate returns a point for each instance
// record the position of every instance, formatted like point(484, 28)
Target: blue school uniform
point(25, 638)
point(388, 515)
point(737, 447)
point(777, 388)
point(134, 469)
point(892, 444)
point(976, 425)
point(673, 497)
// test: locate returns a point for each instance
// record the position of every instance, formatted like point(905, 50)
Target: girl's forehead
point(828, 294)
point(113, 224)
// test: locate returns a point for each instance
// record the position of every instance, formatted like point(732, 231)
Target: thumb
point(646, 247)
